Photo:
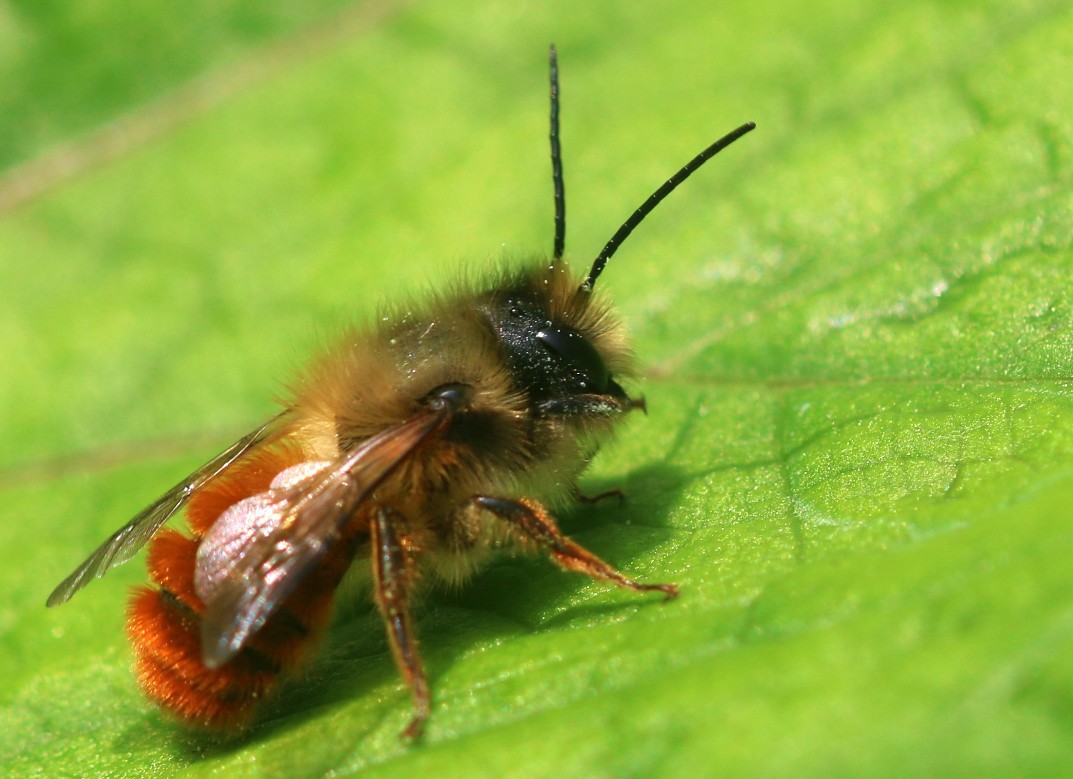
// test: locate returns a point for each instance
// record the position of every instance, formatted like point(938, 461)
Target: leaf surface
point(857, 327)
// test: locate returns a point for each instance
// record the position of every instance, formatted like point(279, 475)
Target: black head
point(550, 344)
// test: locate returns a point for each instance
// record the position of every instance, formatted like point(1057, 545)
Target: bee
point(418, 447)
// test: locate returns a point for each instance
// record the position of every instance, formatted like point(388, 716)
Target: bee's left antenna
point(654, 200)
point(556, 157)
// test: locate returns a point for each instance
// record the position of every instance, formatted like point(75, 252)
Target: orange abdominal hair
point(164, 626)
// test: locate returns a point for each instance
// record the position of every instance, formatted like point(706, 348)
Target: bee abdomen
point(164, 627)
point(167, 649)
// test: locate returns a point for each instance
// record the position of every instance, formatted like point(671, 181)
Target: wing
point(125, 542)
point(271, 566)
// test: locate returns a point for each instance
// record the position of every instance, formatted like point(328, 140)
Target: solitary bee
point(419, 446)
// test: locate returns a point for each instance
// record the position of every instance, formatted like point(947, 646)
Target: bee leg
point(534, 523)
point(588, 500)
point(394, 575)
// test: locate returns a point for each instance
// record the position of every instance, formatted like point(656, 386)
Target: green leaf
point(857, 324)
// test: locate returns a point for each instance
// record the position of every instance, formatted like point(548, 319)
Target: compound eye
point(582, 355)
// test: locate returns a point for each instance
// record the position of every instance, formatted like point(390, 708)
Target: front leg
point(394, 576)
point(533, 522)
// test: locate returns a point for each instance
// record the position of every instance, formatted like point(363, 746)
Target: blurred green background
point(856, 328)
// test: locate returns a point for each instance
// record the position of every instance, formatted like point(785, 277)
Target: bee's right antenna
point(654, 200)
point(556, 157)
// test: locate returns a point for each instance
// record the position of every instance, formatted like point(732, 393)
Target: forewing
point(272, 566)
point(125, 542)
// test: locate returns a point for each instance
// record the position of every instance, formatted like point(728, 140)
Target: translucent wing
point(125, 542)
point(271, 566)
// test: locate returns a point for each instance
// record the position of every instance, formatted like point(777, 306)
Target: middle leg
point(394, 576)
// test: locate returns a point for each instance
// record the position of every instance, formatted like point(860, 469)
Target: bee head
point(557, 342)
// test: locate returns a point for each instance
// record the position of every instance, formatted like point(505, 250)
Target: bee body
point(416, 448)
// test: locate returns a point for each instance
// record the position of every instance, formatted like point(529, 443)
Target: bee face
point(415, 449)
point(549, 356)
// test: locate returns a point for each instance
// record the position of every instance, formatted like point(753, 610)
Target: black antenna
point(654, 200)
point(556, 157)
